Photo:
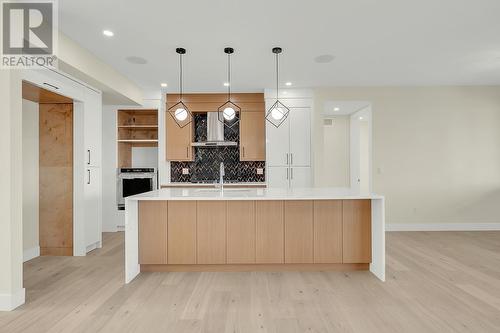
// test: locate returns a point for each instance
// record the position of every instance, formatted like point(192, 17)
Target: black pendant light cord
point(180, 75)
point(277, 75)
point(229, 76)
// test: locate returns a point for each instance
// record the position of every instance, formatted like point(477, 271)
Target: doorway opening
point(345, 156)
point(47, 172)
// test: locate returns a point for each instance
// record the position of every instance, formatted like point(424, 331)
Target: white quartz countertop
point(179, 184)
point(251, 194)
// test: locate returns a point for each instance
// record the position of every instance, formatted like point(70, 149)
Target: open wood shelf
point(135, 128)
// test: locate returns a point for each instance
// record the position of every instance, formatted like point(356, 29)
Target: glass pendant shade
point(277, 113)
point(229, 114)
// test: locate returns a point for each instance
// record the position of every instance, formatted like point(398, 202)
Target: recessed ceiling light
point(324, 58)
point(136, 60)
point(360, 118)
point(164, 85)
point(336, 109)
point(288, 84)
point(226, 84)
point(108, 33)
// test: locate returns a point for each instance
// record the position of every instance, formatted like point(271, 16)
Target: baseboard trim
point(442, 227)
point(253, 267)
point(32, 253)
point(9, 302)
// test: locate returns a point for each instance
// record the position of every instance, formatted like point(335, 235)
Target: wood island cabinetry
point(254, 234)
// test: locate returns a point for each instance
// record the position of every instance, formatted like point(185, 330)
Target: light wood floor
point(436, 282)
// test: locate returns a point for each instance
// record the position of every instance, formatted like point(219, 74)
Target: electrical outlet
point(260, 171)
point(185, 171)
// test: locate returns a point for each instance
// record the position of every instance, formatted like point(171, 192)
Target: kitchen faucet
point(221, 175)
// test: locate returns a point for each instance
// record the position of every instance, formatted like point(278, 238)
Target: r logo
point(27, 28)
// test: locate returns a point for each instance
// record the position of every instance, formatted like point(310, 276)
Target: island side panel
point(132, 267)
point(377, 266)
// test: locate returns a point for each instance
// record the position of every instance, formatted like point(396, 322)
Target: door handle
point(286, 158)
point(187, 152)
point(291, 158)
point(88, 176)
point(88, 156)
point(243, 148)
point(291, 173)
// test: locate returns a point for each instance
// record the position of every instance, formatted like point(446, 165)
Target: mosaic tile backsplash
point(205, 167)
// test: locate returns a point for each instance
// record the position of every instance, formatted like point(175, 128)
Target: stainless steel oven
point(133, 181)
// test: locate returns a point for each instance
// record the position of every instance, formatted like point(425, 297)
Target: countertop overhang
point(252, 194)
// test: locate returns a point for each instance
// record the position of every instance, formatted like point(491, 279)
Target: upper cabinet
point(179, 140)
point(252, 136)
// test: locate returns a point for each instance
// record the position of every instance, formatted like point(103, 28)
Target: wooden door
point(241, 232)
point(211, 232)
point(178, 140)
point(298, 232)
point(269, 230)
point(56, 179)
point(181, 232)
point(328, 231)
point(153, 217)
point(252, 136)
point(356, 230)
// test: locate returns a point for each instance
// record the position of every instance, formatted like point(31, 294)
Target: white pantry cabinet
point(288, 147)
point(92, 128)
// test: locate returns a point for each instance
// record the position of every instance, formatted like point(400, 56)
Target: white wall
point(332, 169)
point(11, 233)
point(30, 175)
point(436, 150)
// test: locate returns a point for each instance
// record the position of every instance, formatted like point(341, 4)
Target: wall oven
point(133, 181)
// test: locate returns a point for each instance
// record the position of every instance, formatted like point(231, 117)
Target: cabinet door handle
point(291, 158)
point(291, 173)
point(187, 152)
point(287, 173)
point(88, 156)
point(243, 148)
point(286, 158)
point(88, 176)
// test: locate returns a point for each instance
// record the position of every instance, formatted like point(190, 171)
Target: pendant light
point(278, 112)
point(179, 111)
point(229, 112)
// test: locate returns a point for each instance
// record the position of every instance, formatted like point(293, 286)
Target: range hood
point(215, 133)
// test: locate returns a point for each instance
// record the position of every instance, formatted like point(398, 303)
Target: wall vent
point(328, 122)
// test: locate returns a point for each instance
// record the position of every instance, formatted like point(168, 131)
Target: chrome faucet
point(221, 175)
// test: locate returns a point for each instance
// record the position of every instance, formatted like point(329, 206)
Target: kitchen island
point(254, 229)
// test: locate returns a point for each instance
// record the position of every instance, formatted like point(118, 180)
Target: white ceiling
point(375, 42)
